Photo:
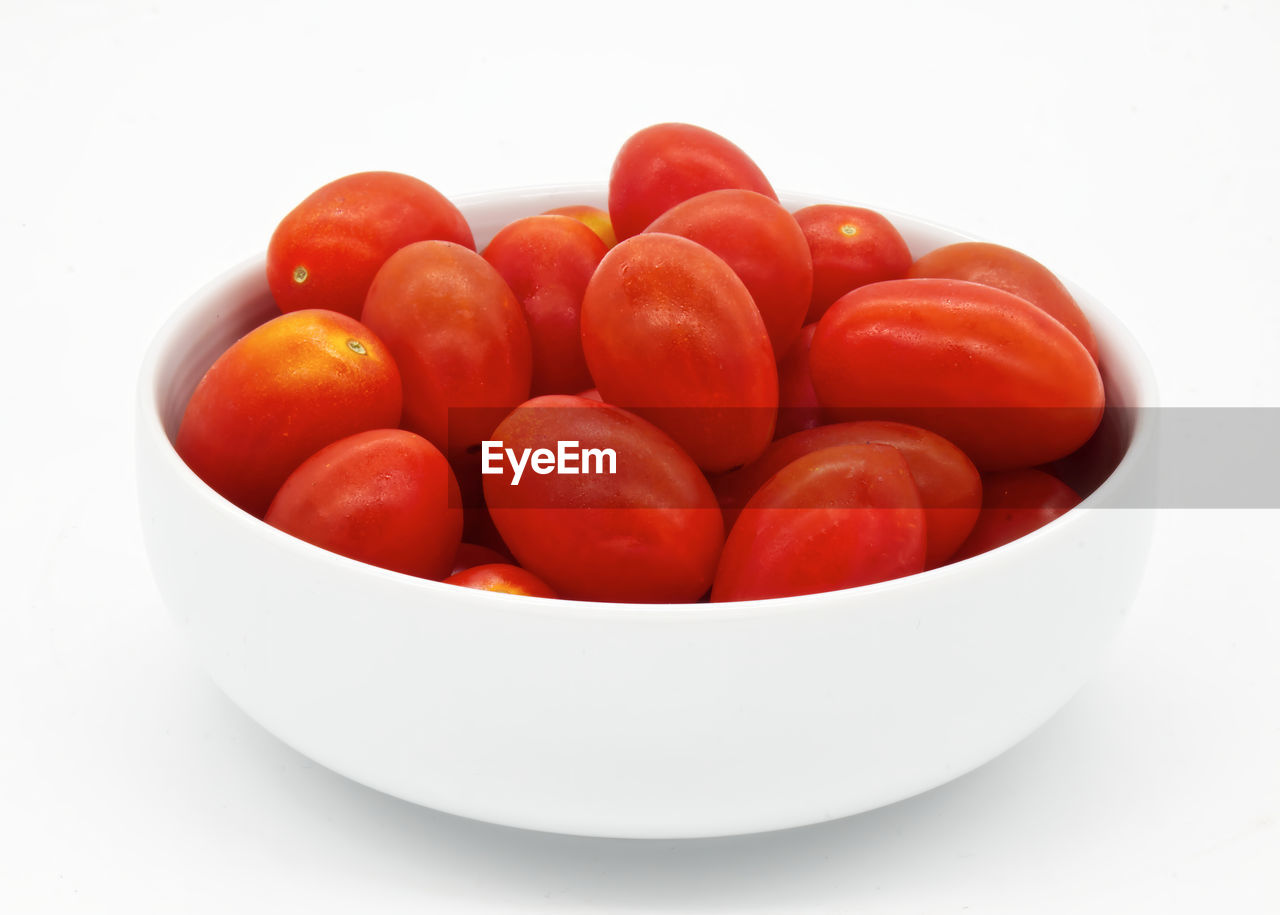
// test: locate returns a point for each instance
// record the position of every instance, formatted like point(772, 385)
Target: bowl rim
point(196, 309)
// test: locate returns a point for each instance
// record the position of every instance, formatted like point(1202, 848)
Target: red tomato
point(664, 164)
point(836, 518)
point(650, 532)
point(459, 337)
point(1015, 503)
point(503, 578)
point(671, 333)
point(594, 218)
point(470, 555)
point(547, 260)
point(1012, 271)
point(798, 406)
point(763, 245)
point(279, 394)
point(386, 497)
point(949, 485)
point(851, 247)
point(983, 368)
point(325, 253)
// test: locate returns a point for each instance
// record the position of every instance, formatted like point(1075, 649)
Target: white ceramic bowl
point(635, 720)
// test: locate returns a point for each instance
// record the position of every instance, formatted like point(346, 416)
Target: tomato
point(594, 218)
point(649, 532)
point(949, 485)
point(459, 337)
point(835, 518)
point(1015, 503)
point(670, 332)
point(503, 578)
point(279, 394)
point(1012, 271)
point(386, 497)
point(470, 555)
point(983, 368)
point(851, 247)
point(325, 252)
point(547, 260)
point(798, 406)
point(662, 165)
point(763, 245)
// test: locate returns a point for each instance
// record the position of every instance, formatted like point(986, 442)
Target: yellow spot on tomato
point(356, 347)
point(849, 229)
point(299, 275)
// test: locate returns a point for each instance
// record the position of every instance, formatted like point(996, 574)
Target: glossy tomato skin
point(851, 247)
point(1015, 503)
point(326, 251)
point(650, 532)
point(458, 335)
point(761, 242)
point(594, 218)
point(503, 578)
point(279, 394)
point(661, 165)
point(949, 485)
point(1012, 271)
point(836, 518)
point(547, 261)
point(386, 497)
point(798, 406)
point(983, 368)
point(671, 333)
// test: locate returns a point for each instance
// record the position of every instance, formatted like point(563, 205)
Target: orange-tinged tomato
point(1012, 271)
point(470, 555)
point(325, 252)
point(649, 531)
point(985, 369)
point(763, 245)
point(547, 261)
point(671, 333)
point(594, 218)
point(386, 497)
point(279, 394)
point(660, 166)
point(458, 335)
point(503, 578)
point(835, 518)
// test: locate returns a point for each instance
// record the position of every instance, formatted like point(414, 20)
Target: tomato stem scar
point(849, 229)
point(299, 274)
point(356, 347)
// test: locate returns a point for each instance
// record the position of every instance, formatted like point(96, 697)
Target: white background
point(1133, 147)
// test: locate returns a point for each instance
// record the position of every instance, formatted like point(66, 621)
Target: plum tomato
point(279, 394)
point(470, 555)
point(661, 165)
point(594, 218)
point(671, 333)
point(763, 245)
point(985, 369)
point(503, 578)
point(798, 406)
point(386, 497)
point(835, 518)
point(458, 335)
point(851, 247)
point(1015, 503)
point(949, 485)
point(325, 252)
point(648, 532)
point(1012, 271)
point(547, 260)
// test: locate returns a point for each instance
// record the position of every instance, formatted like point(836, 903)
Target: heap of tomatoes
point(795, 403)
